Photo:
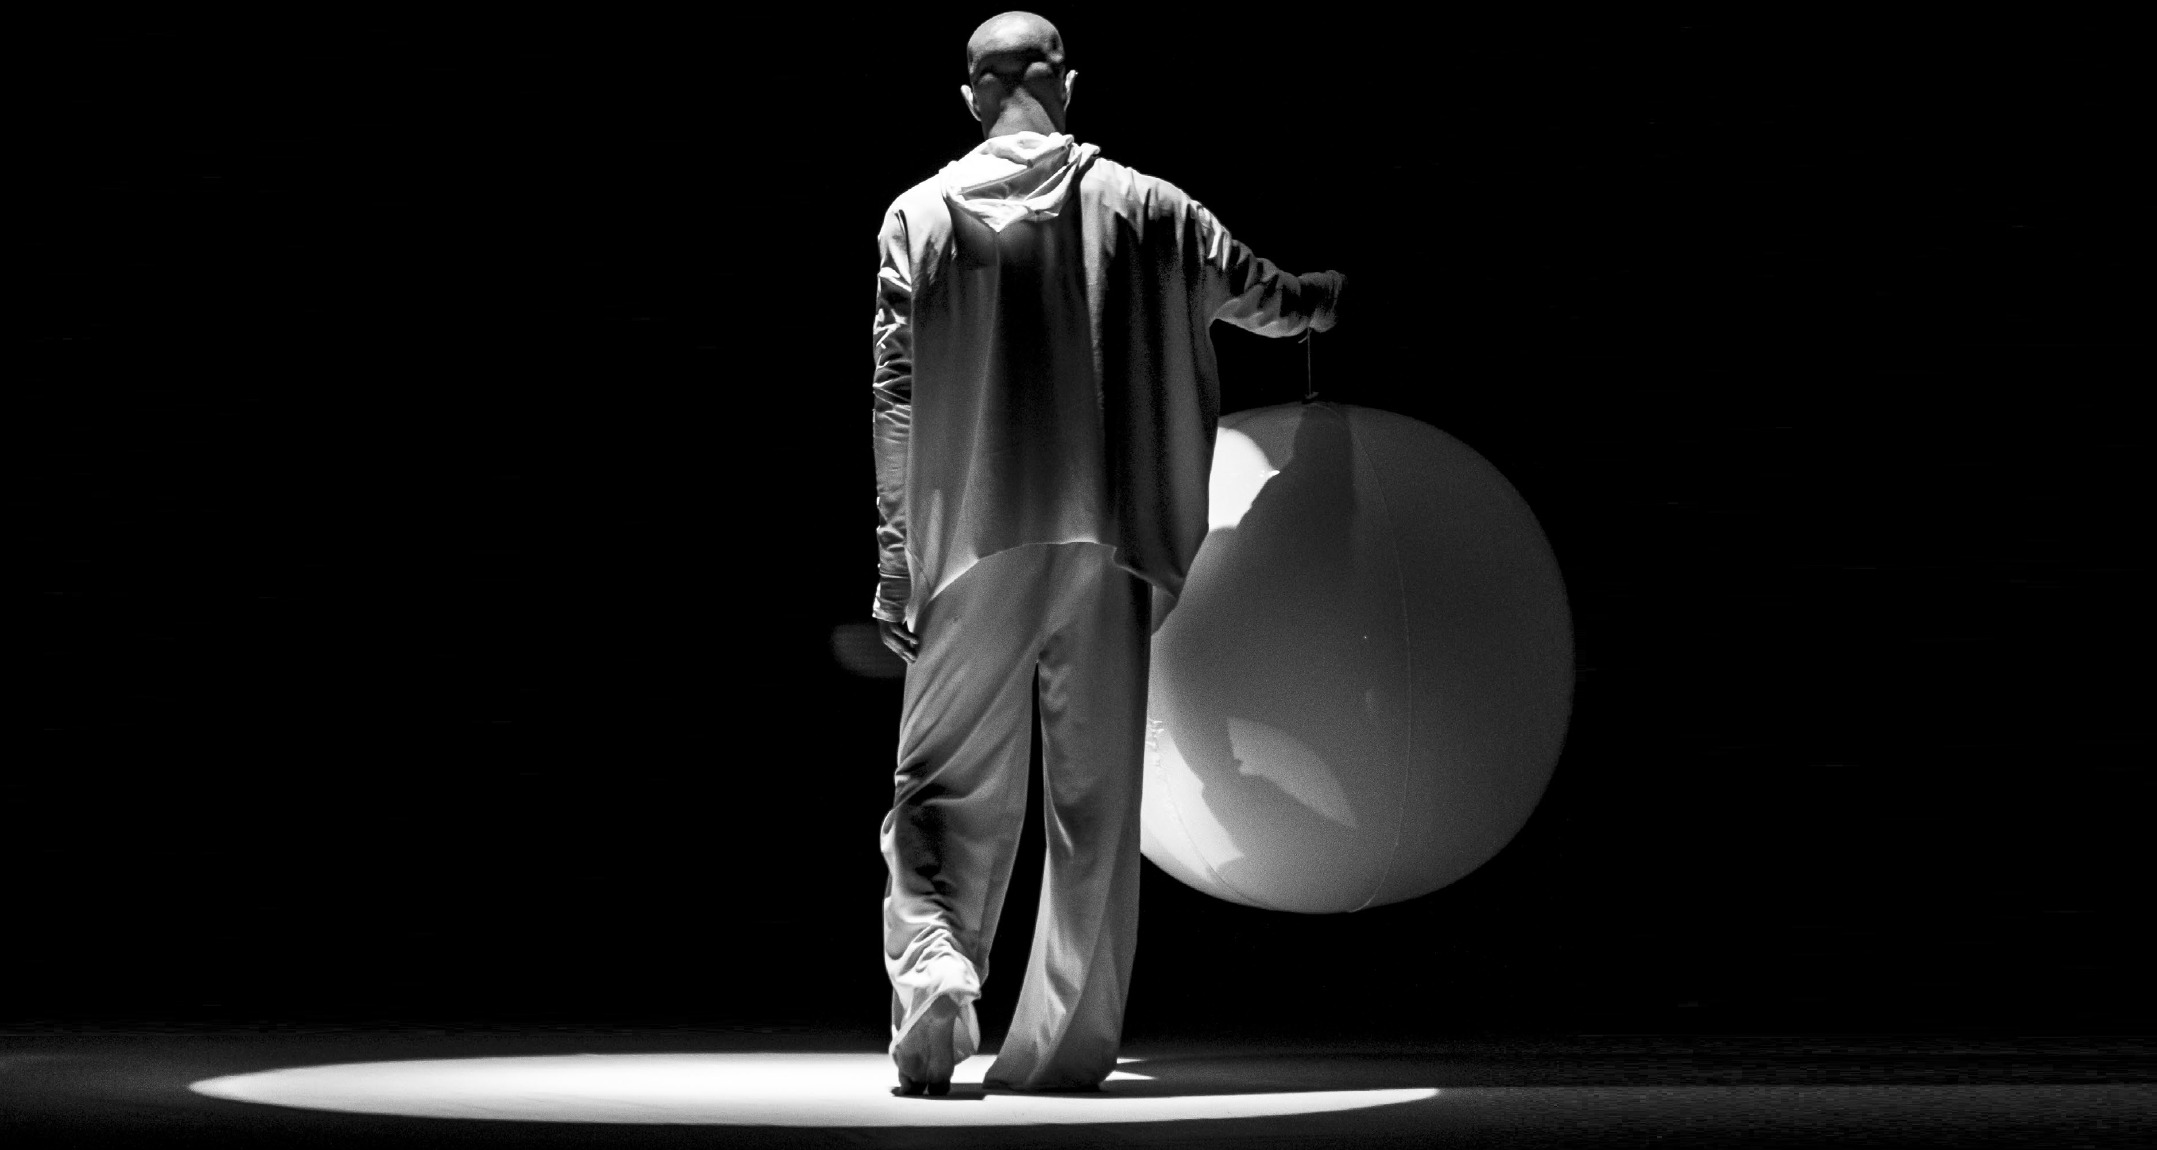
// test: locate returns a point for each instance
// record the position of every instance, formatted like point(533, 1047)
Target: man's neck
point(1013, 122)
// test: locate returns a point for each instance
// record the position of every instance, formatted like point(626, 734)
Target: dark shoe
point(925, 1056)
point(913, 1087)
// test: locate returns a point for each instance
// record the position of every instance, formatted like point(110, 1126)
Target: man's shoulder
point(1126, 185)
point(1122, 178)
point(1118, 186)
point(928, 194)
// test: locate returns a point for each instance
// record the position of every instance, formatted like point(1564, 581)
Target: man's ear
point(966, 93)
point(1070, 80)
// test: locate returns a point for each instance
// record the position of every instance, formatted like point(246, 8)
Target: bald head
point(1016, 77)
point(1020, 34)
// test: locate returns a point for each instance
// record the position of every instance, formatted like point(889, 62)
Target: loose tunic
point(1044, 372)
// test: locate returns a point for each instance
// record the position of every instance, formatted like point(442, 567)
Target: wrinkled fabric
point(928, 966)
point(1068, 612)
point(1043, 367)
point(1017, 177)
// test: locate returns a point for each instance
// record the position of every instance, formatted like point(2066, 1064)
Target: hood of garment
point(1022, 176)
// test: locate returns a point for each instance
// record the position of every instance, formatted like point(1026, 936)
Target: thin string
point(1310, 385)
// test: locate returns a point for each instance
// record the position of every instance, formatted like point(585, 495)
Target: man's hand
point(903, 643)
point(1337, 285)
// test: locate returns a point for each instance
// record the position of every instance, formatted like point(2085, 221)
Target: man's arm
point(893, 400)
point(1254, 294)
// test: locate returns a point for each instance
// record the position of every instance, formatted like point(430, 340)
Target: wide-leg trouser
point(960, 803)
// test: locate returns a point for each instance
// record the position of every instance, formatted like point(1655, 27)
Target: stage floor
point(751, 1087)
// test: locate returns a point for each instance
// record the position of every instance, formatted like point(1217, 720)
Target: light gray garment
point(1044, 371)
point(952, 834)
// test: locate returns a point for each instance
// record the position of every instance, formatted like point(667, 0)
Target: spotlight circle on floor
point(738, 1089)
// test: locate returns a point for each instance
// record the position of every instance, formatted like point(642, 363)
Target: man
point(1045, 407)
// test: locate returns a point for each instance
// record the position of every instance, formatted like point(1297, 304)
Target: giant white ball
point(1364, 689)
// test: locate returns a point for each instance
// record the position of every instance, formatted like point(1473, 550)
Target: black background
point(451, 471)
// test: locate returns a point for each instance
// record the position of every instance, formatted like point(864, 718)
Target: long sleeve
point(1253, 293)
point(893, 400)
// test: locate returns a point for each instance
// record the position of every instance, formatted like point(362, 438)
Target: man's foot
point(924, 1055)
